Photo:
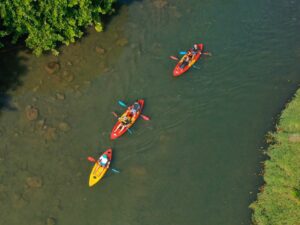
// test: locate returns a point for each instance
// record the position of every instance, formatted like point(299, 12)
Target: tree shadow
point(11, 69)
point(106, 19)
point(122, 2)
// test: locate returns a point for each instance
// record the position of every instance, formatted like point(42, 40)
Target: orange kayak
point(119, 128)
point(180, 68)
point(98, 170)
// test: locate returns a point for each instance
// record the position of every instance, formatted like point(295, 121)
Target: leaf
point(98, 27)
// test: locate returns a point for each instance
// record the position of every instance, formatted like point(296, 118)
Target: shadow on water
point(117, 6)
point(11, 70)
point(127, 2)
point(12, 66)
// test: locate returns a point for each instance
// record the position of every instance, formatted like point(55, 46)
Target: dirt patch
point(294, 138)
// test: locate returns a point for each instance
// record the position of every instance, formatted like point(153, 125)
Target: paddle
point(204, 53)
point(116, 115)
point(175, 58)
point(91, 159)
point(121, 103)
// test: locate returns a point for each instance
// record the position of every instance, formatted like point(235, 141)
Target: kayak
point(119, 129)
point(178, 70)
point(98, 170)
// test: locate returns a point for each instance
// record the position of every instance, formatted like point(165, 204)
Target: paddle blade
point(174, 58)
point(115, 114)
point(129, 131)
point(207, 53)
point(145, 117)
point(182, 53)
point(91, 159)
point(121, 103)
point(116, 171)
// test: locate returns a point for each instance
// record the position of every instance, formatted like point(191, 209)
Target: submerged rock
point(60, 96)
point(122, 42)
point(31, 112)
point(35, 88)
point(100, 50)
point(41, 123)
point(34, 182)
point(50, 133)
point(67, 77)
point(63, 126)
point(50, 221)
point(52, 67)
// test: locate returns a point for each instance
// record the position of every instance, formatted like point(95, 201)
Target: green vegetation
point(44, 24)
point(279, 200)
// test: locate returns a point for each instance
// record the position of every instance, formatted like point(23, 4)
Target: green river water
point(196, 162)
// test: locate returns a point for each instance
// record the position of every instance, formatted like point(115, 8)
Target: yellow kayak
point(98, 170)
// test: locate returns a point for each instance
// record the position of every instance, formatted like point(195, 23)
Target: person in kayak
point(125, 120)
point(134, 109)
point(195, 49)
point(103, 160)
point(187, 59)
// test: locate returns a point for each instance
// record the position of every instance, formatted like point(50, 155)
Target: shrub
point(46, 23)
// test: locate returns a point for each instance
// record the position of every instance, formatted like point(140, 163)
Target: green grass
point(278, 202)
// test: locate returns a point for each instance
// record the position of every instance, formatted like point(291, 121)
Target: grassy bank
point(279, 199)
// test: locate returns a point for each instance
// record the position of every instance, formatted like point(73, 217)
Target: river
point(195, 163)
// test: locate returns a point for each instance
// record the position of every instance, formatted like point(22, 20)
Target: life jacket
point(103, 161)
point(135, 108)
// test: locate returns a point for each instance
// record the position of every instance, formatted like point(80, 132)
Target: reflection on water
point(198, 156)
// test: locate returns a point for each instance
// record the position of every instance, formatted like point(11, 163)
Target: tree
point(46, 23)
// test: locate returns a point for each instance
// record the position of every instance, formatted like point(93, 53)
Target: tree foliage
point(45, 23)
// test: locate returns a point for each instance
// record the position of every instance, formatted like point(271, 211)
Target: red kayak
point(183, 66)
point(127, 119)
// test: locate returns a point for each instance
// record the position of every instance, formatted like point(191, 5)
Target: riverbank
point(279, 199)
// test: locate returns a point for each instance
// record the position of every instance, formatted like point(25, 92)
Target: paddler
point(125, 120)
point(187, 59)
point(195, 49)
point(134, 109)
point(103, 160)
